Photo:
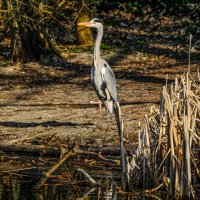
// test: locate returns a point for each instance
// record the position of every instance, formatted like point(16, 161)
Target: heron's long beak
point(84, 23)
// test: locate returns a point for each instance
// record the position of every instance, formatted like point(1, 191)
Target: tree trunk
point(17, 52)
point(84, 34)
point(29, 31)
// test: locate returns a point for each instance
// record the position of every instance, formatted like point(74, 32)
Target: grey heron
point(102, 76)
point(103, 80)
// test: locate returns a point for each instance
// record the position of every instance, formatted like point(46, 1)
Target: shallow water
point(15, 187)
point(19, 174)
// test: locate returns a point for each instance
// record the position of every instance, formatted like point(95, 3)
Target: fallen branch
point(52, 169)
point(43, 150)
point(144, 192)
point(111, 149)
point(30, 149)
point(17, 170)
point(80, 152)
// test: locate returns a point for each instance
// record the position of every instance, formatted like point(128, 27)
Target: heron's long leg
point(99, 105)
point(107, 98)
point(99, 116)
point(99, 112)
point(108, 116)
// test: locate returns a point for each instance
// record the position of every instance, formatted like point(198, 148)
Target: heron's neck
point(97, 44)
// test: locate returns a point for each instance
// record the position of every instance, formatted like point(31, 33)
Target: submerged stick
point(89, 178)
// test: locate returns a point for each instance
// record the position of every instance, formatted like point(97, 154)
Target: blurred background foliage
point(138, 7)
point(41, 28)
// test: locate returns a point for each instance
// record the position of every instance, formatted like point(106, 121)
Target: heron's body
point(102, 76)
point(103, 80)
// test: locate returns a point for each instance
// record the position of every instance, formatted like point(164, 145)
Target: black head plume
point(97, 20)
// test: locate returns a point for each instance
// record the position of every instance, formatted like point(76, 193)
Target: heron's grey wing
point(109, 80)
point(97, 83)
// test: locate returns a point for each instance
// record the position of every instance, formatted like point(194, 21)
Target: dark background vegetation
point(32, 30)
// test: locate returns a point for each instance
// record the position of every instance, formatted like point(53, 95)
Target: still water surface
point(20, 188)
point(18, 176)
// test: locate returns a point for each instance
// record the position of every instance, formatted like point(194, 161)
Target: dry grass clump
point(169, 143)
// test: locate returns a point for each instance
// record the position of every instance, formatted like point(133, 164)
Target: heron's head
point(95, 23)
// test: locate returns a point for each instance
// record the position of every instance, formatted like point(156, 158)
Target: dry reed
point(168, 141)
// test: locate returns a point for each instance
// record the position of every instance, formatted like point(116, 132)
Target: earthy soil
point(55, 103)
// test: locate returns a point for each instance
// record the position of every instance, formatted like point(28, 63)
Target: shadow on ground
point(44, 124)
